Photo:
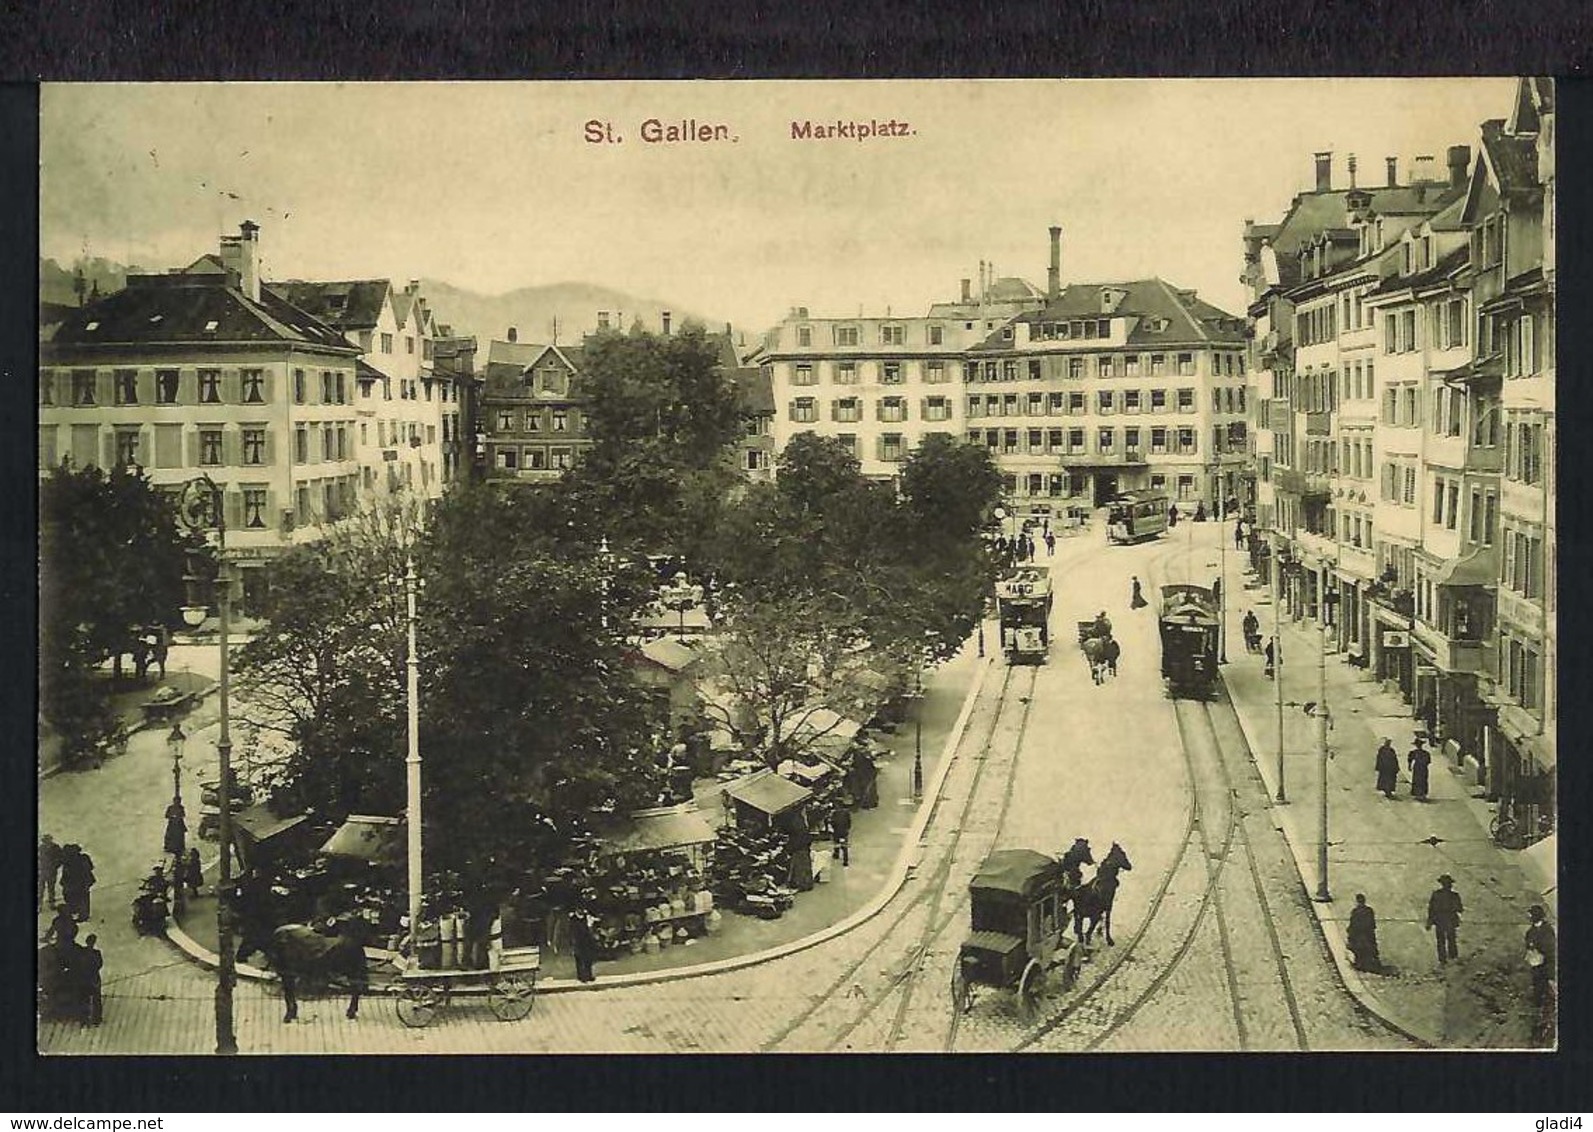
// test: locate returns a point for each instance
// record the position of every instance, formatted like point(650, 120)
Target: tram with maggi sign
point(1023, 605)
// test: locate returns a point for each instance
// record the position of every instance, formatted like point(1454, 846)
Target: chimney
point(967, 294)
point(602, 320)
point(1393, 171)
point(1459, 164)
point(664, 318)
point(239, 255)
point(1324, 171)
point(1422, 172)
point(1352, 170)
point(514, 335)
point(1054, 278)
point(414, 286)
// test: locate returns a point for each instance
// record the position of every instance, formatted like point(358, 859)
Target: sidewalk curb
point(1331, 936)
point(901, 871)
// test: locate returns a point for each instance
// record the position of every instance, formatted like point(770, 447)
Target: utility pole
point(1222, 586)
point(226, 1038)
point(412, 757)
point(1322, 892)
point(1277, 658)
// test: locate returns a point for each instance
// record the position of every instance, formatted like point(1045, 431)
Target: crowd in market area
point(69, 970)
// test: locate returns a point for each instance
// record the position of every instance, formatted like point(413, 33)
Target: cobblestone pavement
point(1074, 760)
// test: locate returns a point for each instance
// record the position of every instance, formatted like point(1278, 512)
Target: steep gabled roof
point(1513, 160)
point(754, 391)
point(1448, 264)
point(354, 304)
point(521, 354)
point(197, 308)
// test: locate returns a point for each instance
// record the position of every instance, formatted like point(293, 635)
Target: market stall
point(764, 856)
point(265, 841)
point(648, 887)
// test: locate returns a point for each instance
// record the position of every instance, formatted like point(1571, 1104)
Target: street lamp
point(199, 508)
point(1322, 722)
point(1222, 578)
point(1277, 650)
point(412, 754)
point(174, 745)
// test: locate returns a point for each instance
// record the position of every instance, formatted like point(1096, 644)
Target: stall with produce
point(647, 885)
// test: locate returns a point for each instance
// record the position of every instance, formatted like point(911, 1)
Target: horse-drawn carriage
point(1100, 648)
point(1020, 923)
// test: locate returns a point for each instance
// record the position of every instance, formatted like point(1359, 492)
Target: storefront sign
point(1396, 639)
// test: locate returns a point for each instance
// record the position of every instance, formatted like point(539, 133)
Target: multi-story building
point(401, 402)
point(1111, 387)
point(1403, 340)
point(532, 416)
point(1510, 215)
point(755, 401)
point(203, 370)
point(454, 364)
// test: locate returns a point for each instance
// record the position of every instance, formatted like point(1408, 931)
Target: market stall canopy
point(669, 654)
point(806, 773)
point(1539, 861)
point(261, 836)
point(1018, 872)
point(363, 837)
point(827, 724)
point(768, 793)
point(667, 827)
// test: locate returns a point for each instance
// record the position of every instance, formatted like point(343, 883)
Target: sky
point(494, 186)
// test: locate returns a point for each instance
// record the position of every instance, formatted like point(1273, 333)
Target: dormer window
point(154, 318)
point(92, 326)
point(210, 327)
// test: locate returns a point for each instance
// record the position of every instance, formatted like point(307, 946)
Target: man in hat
point(1387, 765)
point(1541, 953)
point(1443, 918)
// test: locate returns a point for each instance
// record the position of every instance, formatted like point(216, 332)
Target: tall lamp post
point(412, 755)
point(1222, 580)
point(200, 507)
point(1277, 651)
point(1322, 720)
point(174, 745)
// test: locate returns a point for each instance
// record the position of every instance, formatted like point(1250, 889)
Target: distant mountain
point(57, 283)
point(533, 310)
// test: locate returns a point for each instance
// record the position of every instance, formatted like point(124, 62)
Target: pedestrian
point(63, 928)
point(77, 878)
point(1050, 543)
point(161, 648)
point(1172, 516)
point(88, 963)
point(1363, 936)
point(175, 843)
point(583, 943)
point(1443, 918)
point(1419, 759)
point(1239, 534)
point(1387, 764)
point(1200, 511)
point(192, 874)
point(49, 867)
point(1028, 547)
point(1429, 718)
point(841, 830)
point(1252, 631)
point(1271, 655)
point(1541, 953)
point(1137, 598)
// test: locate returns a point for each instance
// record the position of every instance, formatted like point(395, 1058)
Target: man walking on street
point(1387, 767)
point(1271, 653)
point(1420, 759)
point(89, 964)
point(49, 867)
point(1541, 954)
point(841, 830)
point(1443, 918)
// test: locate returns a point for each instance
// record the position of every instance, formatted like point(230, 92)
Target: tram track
point(844, 985)
point(1192, 889)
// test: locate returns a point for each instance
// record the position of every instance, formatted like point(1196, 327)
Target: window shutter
point(231, 386)
point(104, 387)
point(791, 410)
point(835, 410)
point(231, 447)
point(269, 452)
point(193, 448)
point(923, 408)
point(232, 507)
point(108, 445)
point(879, 448)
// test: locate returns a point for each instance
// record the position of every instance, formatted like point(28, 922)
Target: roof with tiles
point(754, 391)
point(354, 304)
point(191, 308)
point(1514, 159)
point(1447, 265)
point(1159, 314)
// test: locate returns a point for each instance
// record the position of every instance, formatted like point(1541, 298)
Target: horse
point(1095, 656)
point(1110, 652)
point(300, 954)
point(1093, 902)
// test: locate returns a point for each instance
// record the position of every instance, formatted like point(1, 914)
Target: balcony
point(1450, 654)
point(1459, 453)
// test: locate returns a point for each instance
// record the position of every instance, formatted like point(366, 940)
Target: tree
point(663, 418)
point(111, 561)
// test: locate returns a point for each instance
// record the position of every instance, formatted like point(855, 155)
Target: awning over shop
point(668, 827)
point(261, 836)
point(1540, 863)
point(831, 725)
point(768, 793)
point(374, 840)
point(1479, 568)
point(805, 773)
point(1486, 369)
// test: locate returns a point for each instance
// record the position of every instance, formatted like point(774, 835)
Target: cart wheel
point(961, 992)
point(418, 1004)
point(1029, 989)
point(511, 997)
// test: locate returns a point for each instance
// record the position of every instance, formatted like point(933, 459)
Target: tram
point(1023, 604)
point(1188, 624)
point(1137, 515)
